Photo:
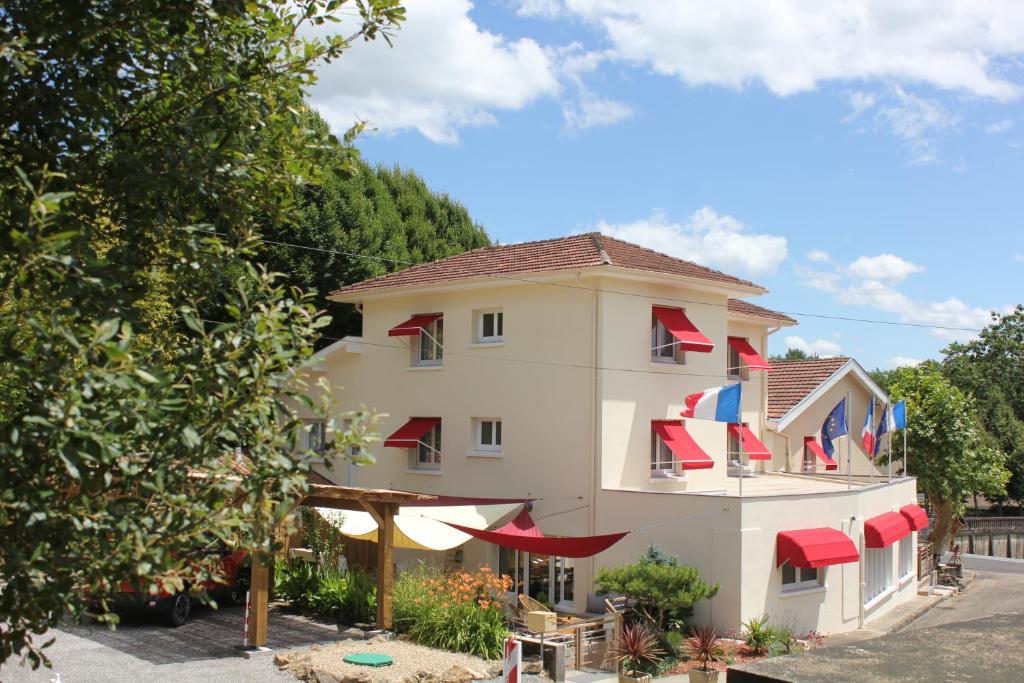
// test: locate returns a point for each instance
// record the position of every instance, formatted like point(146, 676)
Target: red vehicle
point(176, 607)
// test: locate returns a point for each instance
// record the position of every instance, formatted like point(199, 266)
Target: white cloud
point(859, 103)
point(818, 347)
point(902, 361)
point(540, 8)
point(1019, 258)
point(706, 237)
point(818, 256)
point(915, 121)
point(791, 46)
point(884, 267)
point(443, 73)
point(821, 280)
point(998, 127)
point(587, 110)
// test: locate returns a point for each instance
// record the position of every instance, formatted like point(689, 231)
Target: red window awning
point(413, 326)
point(409, 434)
point(811, 443)
point(683, 447)
point(885, 529)
point(916, 517)
point(752, 446)
point(812, 548)
point(522, 534)
point(752, 358)
point(676, 322)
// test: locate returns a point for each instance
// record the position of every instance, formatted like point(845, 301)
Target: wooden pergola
point(382, 504)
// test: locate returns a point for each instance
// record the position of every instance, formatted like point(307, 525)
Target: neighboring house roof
point(746, 308)
point(794, 385)
point(563, 253)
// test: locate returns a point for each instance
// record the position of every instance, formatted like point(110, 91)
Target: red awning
point(409, 434)
point(522, 534)
point(752, 446)
point(812, 548)
point(676, 322)
point(917, 518)
point(885, 529)
point(752, 358)
point(682, 445)
point(810, 442)
point(412, 326)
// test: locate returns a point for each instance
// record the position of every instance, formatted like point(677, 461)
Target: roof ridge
point(597, 238)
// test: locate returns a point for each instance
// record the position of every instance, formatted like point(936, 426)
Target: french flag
point(721, 404)
point(867, 434)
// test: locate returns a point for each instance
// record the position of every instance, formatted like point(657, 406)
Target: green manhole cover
point(368, 659)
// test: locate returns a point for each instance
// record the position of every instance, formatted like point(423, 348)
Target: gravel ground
point(409, 660)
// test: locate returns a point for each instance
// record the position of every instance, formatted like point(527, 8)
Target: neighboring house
point(801, 393)
point(556, 370)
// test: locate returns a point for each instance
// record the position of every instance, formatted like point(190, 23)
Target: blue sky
point(862, 160)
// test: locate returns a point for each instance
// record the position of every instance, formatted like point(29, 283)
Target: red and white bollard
point(513, 660)
point(245, 634)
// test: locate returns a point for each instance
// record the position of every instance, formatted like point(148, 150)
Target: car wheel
point(240, 588)
point(181, 607)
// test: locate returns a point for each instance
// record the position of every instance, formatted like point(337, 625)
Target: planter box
point(701, 676)
point(541, 622)
point(645, 678)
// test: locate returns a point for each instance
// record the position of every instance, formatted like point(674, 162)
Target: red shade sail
point(682, 445)
point(522, 534)
point(752, 446)
point(812, 548)
point(752, 358)
point(830, 464)
point(916, 517)
point(885, 529)
point(676, 322)
point(413, 326)
point(409, 434)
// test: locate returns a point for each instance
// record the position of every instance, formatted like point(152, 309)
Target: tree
point(948, 450)
point(361, 221)
point(793, 354)
point(660, 586)
point(146, 360)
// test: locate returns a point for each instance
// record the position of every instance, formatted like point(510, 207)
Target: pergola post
point(385, 563)
point(259, 586)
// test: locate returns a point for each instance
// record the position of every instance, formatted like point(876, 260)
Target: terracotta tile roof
point(790, 381)
point(747, 308)
point(562, 253)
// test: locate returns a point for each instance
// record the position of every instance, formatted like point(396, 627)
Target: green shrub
point(765, 638)
point(360, 602)
point(674, 639)
point(410, 596)
point(296, 581)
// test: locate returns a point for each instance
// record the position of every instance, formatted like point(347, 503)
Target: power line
point(382, 259)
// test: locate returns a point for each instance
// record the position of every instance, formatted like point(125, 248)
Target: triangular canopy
point(522, 534)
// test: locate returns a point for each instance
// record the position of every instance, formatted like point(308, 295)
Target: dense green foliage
point(387, 214)
point(349, 596)
point(658, 584)
point(143, 146)
point(764, 637)
point(793, 354)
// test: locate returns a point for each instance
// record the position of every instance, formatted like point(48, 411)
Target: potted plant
point(636, 647)
point(706, 646)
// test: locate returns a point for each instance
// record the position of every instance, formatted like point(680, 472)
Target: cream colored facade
point(574, 386)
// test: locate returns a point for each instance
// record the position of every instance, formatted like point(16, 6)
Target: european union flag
point(833, 427)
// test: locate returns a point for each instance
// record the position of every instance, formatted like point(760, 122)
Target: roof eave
point(762, 319)
point(849, 366)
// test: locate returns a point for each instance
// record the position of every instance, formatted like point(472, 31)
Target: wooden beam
point(374, 511)
point(259, 585)
point(385, 563)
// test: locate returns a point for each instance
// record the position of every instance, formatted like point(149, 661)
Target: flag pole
point(871, 455)
point(906, 460)
point(890, 457)
point(741, 453)
point(849, 445)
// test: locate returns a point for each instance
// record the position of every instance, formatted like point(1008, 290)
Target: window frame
point(661, 454)
point(877, 573)
point(809, 463)
point(906, 557)
point(307, 432)
point(660, 339)
point(429, 342)
point(498, 326)
point(740, 370)
point(800, 582)
point(429, 445)
point(496, 444)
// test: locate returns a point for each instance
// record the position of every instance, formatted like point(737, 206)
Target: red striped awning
point(676, 322)
point(409, 434)
point(752, 358)
point(752, 446)
point(413, 326)
point(917, 518)
point(885, 529)
point(522, 534)
point(683, 447)
point(812, 548)
point(811, 443)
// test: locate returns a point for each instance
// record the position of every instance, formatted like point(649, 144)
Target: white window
point(664, 346)
point(490, 326)
point(737, 368)
point(799, 578)
point(809, 464)
point(487, 434)
point(906, 556)
point(314, 436)
point(663, 462)
point(877, 572)
point(427, 454)
point(429, 348)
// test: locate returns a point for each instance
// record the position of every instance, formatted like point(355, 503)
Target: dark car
point(176, 607)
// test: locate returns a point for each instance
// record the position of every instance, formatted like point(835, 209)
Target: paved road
point(990, 593)
point(146, 651)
